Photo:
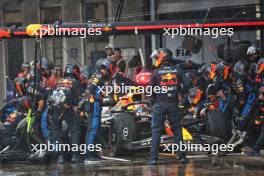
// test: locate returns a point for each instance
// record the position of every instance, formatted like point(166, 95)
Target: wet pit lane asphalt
point(237, 165)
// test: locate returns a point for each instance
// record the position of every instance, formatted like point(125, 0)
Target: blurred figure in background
point(25, 70)
point(120, 62)
point(55, 77)
point(109, 50)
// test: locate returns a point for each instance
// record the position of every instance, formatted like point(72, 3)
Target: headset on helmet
point(211, 92)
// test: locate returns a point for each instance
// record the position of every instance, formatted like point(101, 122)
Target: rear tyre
point(217, 125)
point(24, 139)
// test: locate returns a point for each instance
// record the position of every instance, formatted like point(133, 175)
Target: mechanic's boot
point(90, 156)
point(152, 162)
point(246, 149)
point(182, 157)
point(252, 152)
point(76, 158)
point(97, 156)
point(184, 160)
point(60, 159)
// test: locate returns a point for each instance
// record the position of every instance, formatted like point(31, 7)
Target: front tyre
point(121, 132)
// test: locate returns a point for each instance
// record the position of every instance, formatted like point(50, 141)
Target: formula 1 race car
point(126, 127)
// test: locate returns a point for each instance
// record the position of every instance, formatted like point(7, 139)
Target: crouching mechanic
point(21, 103)
point(166, 104)
point(254, 149)
point(64, 101)
point(104, 71)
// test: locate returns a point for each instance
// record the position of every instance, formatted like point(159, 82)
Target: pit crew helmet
point(208, 71)
point(161, 56)
point(260, 67)
point(72, 71)
point(222, 70)
point(241, 68)
point(194, 96)
point(191, 79)
point(44, 65)
point(105, 66)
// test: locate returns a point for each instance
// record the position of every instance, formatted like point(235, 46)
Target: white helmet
point(251, 50)
point(109, 46)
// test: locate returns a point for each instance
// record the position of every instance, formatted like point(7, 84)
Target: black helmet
point(45, 66)
point(211, 92)
point(45, 63)
point(85, 72)
point(105, 65)
point(241, 68)
point(98, 64)
point(208, 70)
point(222, 70)
point(20, 84)
point(194, 95)
point(72, 70)
point(161, 56)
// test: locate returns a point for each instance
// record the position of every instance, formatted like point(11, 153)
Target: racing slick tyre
point(23, 140)
point(121, 133)
point(21, 130)
point(217, 125)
